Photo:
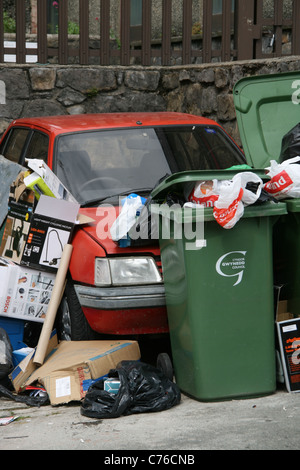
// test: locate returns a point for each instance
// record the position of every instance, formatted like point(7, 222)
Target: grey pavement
point(264, 423)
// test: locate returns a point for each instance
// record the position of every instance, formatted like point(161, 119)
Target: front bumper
point(118, 298)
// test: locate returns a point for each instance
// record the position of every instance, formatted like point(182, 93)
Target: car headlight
point(126, 271)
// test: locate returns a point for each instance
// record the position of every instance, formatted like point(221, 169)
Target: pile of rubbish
point(106, 377)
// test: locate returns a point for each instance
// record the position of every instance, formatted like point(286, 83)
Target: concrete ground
point(265, 423)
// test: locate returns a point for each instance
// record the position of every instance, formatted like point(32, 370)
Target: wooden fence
point(240, 33)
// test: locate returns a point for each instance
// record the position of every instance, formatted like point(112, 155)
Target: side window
point(38, 146)
point(14, 144)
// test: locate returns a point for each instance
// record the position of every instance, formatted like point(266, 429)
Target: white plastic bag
point(205, 193)
point(229, 207)
point(127, 217)
point(285, 179)
point(228, 197)
point(253, 181)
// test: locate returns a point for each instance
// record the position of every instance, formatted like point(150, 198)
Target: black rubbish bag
point(143, 388)
point(6, 358)
point(290, 146)
point(28, 400)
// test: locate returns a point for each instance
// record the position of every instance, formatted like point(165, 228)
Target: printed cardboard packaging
point(50, 230)
point(24, 293)
point(72, 366)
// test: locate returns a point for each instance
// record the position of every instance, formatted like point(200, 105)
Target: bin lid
point(267, 107)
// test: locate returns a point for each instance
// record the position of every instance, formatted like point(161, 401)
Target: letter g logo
point(232, 264)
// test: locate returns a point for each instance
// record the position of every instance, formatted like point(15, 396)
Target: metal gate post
point(246, 31)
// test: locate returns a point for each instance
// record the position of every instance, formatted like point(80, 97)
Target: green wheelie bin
point(219, 295)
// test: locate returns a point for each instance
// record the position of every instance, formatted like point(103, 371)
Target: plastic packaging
point(285, 179)
point(127, 217)
point(143, 388)
point(228, 197)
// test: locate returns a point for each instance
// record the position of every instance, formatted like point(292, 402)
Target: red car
point(101, 158)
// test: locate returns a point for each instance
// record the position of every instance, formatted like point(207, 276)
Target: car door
point(23, 142)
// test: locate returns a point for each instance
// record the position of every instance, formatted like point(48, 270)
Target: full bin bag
point(290, 145)
point(143, 388)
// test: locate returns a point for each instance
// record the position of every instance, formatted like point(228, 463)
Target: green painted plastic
point(220, 299)
point(267, 107)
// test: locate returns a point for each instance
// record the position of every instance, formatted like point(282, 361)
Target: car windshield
point(102, 164)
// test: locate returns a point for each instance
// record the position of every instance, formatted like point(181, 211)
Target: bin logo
point(232, 264)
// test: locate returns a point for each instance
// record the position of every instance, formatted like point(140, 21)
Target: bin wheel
point(164, 364)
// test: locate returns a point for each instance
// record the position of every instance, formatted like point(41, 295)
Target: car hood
point(267, 108)
point(99, 230)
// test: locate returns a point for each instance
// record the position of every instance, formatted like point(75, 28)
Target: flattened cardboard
point(50, 230)
point(289, 344)
point(72, 366)
point(24, 293)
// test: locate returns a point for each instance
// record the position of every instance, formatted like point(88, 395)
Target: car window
point(97, 164)
point(201, 148)
point(14, 144)
point(38, 146)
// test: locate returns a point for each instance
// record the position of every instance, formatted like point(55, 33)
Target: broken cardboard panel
point(50, 230)
point(72, 366)
point(24, 293)
point(43, 181)
point(289, 344)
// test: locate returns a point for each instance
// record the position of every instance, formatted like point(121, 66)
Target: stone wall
point(37, 90)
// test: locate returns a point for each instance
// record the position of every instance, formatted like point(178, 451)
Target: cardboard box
point(17, 224)
point(26, 367)
point(289, 344)
point(72, 366)
point(50, 230)
point(42, 180)
point(24, 293)
point(282, 313)
point(19, 354)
